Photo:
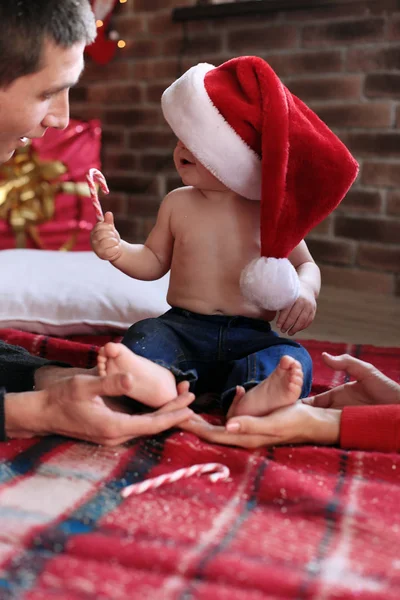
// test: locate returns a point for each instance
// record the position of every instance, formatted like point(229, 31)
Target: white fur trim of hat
point(199, 125)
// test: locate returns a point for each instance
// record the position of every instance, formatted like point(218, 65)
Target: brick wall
point(343, 61)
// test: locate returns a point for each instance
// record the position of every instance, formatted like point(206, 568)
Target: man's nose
point(58, 115)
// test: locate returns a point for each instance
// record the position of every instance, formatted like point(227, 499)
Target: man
point(41, 58)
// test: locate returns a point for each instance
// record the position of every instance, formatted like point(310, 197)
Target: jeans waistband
point(223, 320)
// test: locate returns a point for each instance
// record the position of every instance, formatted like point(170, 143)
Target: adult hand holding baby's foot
point(281, 388)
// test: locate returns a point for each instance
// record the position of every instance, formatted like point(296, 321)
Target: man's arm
point(18, 367)
point(74, 407)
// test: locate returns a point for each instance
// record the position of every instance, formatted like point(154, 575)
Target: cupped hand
point(300, 314)
point(74, 407)
point(295, 424)
point(105, 239)
point(370, 385)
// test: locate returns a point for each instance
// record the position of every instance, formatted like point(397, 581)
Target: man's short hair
point(26, 24)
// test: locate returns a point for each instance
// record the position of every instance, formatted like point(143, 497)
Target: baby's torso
point(214, 241)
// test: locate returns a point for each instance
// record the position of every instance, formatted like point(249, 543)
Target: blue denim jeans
point(215, 353)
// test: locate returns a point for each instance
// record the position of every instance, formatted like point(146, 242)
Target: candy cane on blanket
point(217, 470)
point(92, 176)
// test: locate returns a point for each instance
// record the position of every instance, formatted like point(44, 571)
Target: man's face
point(32, 103)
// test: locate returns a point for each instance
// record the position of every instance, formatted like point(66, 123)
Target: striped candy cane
point(92, 176)
point(217, 470)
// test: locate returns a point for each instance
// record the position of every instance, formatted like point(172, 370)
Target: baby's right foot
point(152, 384)
point(281, 388)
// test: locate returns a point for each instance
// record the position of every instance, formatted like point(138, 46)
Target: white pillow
point(65, 293)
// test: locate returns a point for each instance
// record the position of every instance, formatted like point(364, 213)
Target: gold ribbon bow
point(28, 188)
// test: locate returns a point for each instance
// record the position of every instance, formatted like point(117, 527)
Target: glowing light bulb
point(121, 44)
point(99, 23)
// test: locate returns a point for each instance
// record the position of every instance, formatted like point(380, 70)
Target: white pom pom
point(271, 283)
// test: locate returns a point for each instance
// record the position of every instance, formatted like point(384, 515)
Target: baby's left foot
point(281, 388)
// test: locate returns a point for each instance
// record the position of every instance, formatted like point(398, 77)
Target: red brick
point(339, 252)
point(143, 48)
point(158, 69)
point(265, 38)
point(367, 115)
point(173, 182)
point(373, 59)
point(325, 227)
point(382, 84)
point(78, 94)
point(114, 202)
point(382, 258)
point(85, 112)
point(153, 5)
point(394, 28)
point(128, 26)
point(367, 229)
point(304, 62)
point(148, 140)
point(132, 117)
point(381, 144)
point(130, 230)
point(147, 226)
point(357, 279)
point(143, 205)
point(334, 11)
point(380, 173)
point(119, 161)
point(162, 24)
point(250, 21)
point(112, 71)
point(131, 184)
point(393, 203)
point(110, 137)
point(154, 163)
point(359, 200)
point(343, 87)
point(154, 92)
point(397, 286)
point(209, 43)
point(344, 32)
point(115, 94)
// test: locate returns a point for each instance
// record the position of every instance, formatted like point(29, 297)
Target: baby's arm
point(147, 261)
point(301, 313)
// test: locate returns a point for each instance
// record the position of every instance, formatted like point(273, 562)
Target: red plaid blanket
point(291, 523)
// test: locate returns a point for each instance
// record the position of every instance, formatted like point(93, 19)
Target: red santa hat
point(265, 144)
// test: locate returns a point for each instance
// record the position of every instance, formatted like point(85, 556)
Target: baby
point(210, 233)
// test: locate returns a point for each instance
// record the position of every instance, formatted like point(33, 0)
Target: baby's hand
point(105, 239)
point(300, 315)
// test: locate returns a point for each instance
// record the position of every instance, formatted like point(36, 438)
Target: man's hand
point(300, 315)
point(74, 407)
point(370, 385)
point(295, 424)
point(105, 239)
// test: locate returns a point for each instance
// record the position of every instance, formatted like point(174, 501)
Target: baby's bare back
point(214, 239)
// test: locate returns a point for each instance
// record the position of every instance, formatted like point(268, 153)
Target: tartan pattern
point(291, 523)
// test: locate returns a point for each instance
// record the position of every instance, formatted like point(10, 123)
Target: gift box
point(44, 197)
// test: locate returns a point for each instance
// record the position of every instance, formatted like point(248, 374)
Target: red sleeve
point(371, 428)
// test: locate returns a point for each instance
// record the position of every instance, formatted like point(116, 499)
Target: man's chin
point(5, 156)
